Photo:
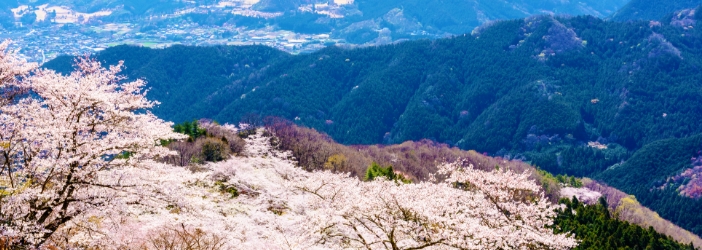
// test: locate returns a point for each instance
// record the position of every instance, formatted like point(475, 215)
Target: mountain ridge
point(543, 78)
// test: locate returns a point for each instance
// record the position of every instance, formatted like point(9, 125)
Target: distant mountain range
point(453, 16)
point(360, 21)
point(652, 9)
point(364, 21)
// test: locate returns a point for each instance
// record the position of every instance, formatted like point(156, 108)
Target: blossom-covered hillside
point(263, 201)
point(83, 167)
point(86, 165)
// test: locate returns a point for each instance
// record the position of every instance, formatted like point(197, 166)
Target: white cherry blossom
point(65, 143)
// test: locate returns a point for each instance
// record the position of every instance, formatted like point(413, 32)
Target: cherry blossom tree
point(64, 145)
point(472, 209)
point(12, 69)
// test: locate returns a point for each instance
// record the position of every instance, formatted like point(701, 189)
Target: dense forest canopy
point(180, 77)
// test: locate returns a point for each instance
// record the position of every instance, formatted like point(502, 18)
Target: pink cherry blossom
point(61, 145)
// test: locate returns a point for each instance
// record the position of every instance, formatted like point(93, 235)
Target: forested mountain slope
point(181, 76)
point(652, 9)
point(665, 176)
point(507, 86)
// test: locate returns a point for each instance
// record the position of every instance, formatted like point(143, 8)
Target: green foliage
point(375, 171)
point(191, 129)
point(227, 189)
point(124, 155)
point(595, 228)
point(571, 181)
